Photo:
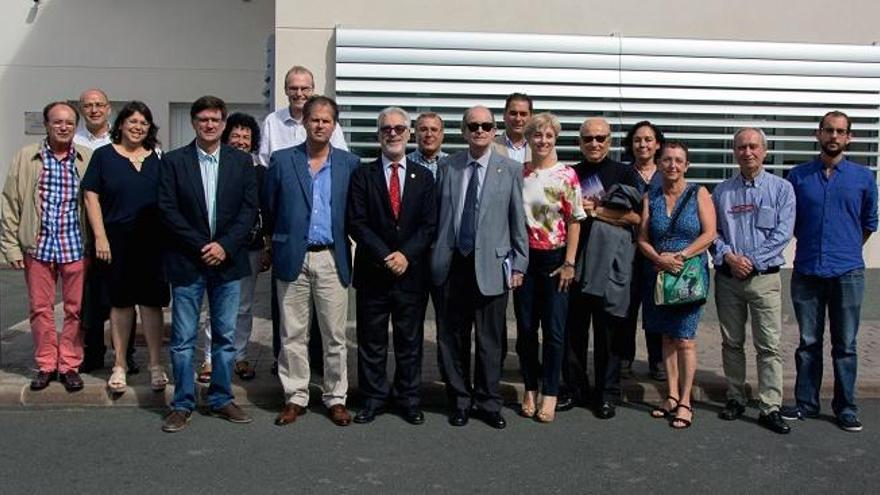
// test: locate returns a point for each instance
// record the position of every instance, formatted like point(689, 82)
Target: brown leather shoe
point(232, 413)
point(176, 420)
point(339, 415)
point(289, 414)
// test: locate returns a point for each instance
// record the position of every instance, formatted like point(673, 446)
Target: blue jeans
point(539, 303)
point(843, 297)
point(223, 299)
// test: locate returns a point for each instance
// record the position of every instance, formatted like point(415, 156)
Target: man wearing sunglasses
point(597, 173)
point(392, 213)
point(481, 252)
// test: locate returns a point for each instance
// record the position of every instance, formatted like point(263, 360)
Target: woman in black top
point(121, 188)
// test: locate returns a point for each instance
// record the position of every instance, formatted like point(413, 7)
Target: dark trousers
point(466, 308)
point(406, 310)
point(539, 303)
point(316, 354)
point(95, 311)
point(653, 341)
point(585, 312)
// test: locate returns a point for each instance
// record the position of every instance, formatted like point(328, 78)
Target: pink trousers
point(50, 352)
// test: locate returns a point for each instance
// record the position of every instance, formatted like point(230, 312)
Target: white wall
point(158, 51)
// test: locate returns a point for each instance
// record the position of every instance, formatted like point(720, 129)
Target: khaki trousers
point(758, 298)
point(319, 282)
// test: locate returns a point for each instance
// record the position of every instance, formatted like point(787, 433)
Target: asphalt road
point(124, 451)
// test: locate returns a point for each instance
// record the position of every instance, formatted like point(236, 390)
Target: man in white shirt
point(94, 128)
point(284, 128)
point(512, 144)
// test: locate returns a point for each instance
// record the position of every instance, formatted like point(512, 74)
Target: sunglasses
point(599, 139)
point(486, 126)
point(398, 129)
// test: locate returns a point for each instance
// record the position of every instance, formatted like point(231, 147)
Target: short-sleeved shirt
point(833, 213)
point(609, 172)
point(552, 198)
point(124, 192)
point(280, 130)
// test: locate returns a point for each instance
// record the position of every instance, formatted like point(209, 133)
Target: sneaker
point(849, 422)
point(795, 413)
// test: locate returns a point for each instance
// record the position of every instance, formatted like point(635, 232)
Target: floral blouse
point(552, 198)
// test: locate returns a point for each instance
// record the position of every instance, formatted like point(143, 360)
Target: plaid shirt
point(60, 239)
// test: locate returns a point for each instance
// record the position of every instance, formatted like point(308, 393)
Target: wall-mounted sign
point(33, 123)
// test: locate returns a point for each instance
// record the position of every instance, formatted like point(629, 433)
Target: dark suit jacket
point(185, 214)
point(288, 208)
point(377, 234)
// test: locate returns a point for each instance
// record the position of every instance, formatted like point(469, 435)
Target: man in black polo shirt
point(597, 173)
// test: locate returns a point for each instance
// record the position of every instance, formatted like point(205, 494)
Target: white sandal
point(158, 378)
point(117, 383)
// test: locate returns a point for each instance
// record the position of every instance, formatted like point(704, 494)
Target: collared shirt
point(417, 157)
point(832, 215)
point(401, 173)
point(60, 238)
point(280, 131)
point(482, 166)
point(755, 219)
point(84, 137)
point(515, 152)
point(208, 165)
point(321, 219)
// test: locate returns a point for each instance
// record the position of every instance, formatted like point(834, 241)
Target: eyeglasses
point(599, 139)
point(398, 129)
point(207, 120)
point(486, 126)
point(300, 89)
point(95, 106)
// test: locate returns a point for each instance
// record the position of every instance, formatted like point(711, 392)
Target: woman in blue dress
point(667, 244)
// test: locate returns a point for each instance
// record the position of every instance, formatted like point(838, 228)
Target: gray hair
point(388, 111)
point(755, 129)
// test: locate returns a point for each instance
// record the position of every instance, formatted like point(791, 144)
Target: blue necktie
point(467, 231)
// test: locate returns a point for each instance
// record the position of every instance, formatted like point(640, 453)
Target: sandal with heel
point(682, 423)
point(117, 383)
point(158, 378)
point(660, 412)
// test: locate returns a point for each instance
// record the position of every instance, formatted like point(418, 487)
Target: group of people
point(581, 247)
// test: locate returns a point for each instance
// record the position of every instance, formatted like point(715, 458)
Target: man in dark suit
point(391, 217)
point(480, 253)
point(305, 195)
point(208, 200)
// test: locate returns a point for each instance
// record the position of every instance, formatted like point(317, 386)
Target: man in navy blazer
point(391, 216)
point(208, 200)
point(480, 253)
point(305, 198)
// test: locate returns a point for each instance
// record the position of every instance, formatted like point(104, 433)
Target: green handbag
point(688, 286)
point(685, 287)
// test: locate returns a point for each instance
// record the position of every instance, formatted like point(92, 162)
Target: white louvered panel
point(697, 91)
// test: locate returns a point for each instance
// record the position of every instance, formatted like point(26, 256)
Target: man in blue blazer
point(480, 253)
point(208, 200)
point(305, 199)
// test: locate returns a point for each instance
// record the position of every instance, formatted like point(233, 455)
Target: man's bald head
point(595, 139)
point(94, 105)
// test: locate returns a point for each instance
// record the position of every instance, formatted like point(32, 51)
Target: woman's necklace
point(136, 159)
point(646, 176)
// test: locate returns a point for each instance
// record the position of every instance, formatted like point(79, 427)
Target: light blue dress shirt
point(755, 219)
point(321, 220)
point(208, 165)
point(483, 164)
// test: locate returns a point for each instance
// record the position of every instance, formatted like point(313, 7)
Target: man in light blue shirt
point(429, 138)
point(755, 222)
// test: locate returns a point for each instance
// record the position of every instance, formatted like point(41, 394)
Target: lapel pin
point(412, 176)
point(498, 170)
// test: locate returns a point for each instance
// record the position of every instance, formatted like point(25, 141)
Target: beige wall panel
point(312, 48)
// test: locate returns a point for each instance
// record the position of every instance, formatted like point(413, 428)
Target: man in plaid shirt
point(43, 234)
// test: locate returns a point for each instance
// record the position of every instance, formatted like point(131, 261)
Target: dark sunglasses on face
point(599, 139)
point(398, 129)
point(486, 126)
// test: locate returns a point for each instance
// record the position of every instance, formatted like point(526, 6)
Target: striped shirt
point(60, 238)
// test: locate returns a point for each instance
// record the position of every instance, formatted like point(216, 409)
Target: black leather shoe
point(493, 419)
point(274, 369)
point(413, 415)
point(72, 381)
point(565, 403)
point(367, 415)
point(732, 410)
point(774, 423)
point(459, 417)
point(605, 411)
point(41, 379)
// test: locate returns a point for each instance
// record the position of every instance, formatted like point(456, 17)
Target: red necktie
point(394, 190)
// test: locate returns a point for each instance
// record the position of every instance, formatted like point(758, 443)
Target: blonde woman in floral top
point(552, 201)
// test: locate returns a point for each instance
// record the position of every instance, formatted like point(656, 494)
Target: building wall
point(158, 51)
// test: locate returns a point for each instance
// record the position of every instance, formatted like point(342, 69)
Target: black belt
point(725, 269)
point(319, 247)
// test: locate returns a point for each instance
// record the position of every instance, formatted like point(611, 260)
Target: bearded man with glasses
point(481, 252)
